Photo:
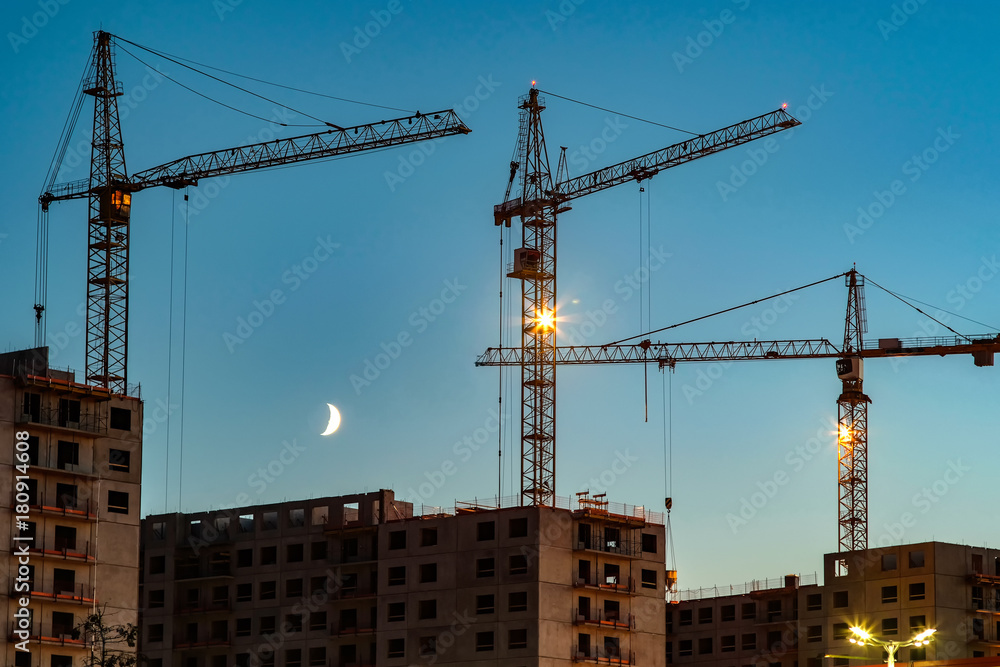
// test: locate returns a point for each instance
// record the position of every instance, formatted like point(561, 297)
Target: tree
point(110, 645)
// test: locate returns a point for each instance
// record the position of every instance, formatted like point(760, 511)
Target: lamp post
point(862, 637)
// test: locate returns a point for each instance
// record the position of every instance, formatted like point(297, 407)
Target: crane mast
point(852, 426)
point(537, 270)
point(107, 229)
point(542, 200)
point(110, 190)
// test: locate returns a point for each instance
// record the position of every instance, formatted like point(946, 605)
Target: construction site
point(313, 421)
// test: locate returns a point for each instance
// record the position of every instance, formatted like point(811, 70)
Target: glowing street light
point(862, 637)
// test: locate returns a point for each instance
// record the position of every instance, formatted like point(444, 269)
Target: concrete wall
point(105, 556)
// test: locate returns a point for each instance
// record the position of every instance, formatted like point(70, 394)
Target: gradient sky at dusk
point(893, 169)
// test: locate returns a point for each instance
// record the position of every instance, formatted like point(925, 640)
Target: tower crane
point(109, 190)
point(852, 437)
point(543, 198)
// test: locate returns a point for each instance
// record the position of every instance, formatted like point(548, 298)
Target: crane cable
point(500, 405)
point(41, 275)
point(668, 467)
point(180, 471)
point(69, 127)
point(322, 123)
point(170, 349)
point(619, 113)
point(642, 303)
point(510, 392)
point(727, 310)
point(164, 54)
point(900, 297)
point(931, 305)
point(42, 231)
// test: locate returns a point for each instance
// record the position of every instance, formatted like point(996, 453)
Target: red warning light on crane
point(532, 83)
point(784, 105)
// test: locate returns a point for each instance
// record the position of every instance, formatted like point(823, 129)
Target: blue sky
point(892, 169)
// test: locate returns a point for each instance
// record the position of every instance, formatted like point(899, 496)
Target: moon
point(334, 420)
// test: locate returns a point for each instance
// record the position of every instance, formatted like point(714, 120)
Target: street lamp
point(862, 637)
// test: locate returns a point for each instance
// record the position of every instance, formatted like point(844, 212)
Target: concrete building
point(749, 624)
point(893, 592)
point(359, 580)
point(264, 585)
point(71, 462)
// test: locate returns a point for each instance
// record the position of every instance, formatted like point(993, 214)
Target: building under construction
point(892, 592)
point(71, 461)
point(359, 580)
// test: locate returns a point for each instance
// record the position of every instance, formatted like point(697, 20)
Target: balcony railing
point(780, 616)
point(188, 642)
point(611, 583)
point(748, 588)
point(203, 607)
point(62, 548)
point(606, 619)
point(349, 592)
point(45, 633)
point(603, 655)
point(76, 469)
point(199, 571)
point(89, 422)
point(338, 628)
point(349, 559)
point(66, 506)
point(61, 592)
point(629, 548)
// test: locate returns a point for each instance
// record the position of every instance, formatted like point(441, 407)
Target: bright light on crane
point(545, 319)
point(784, 105)
point(846, 434)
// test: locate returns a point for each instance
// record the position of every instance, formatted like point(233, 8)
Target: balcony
point(353, 559)
point(189, 642)
point(88, 422)
point(610, 584)
point(339, 629)
point(777, 616)
point(65, 506)
point(65, 549)
point(605, 619)
point(61, 592)
point(603, 656)
point(45, 633)
point(205, 607)
point(66, 469)
point(624, 548)
point(349, 592)
point(987, 606)
point(188, 571)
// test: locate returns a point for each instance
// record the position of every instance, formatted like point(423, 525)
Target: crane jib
point(189, 170)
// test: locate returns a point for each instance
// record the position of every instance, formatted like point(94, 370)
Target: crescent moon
point(334, 420)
